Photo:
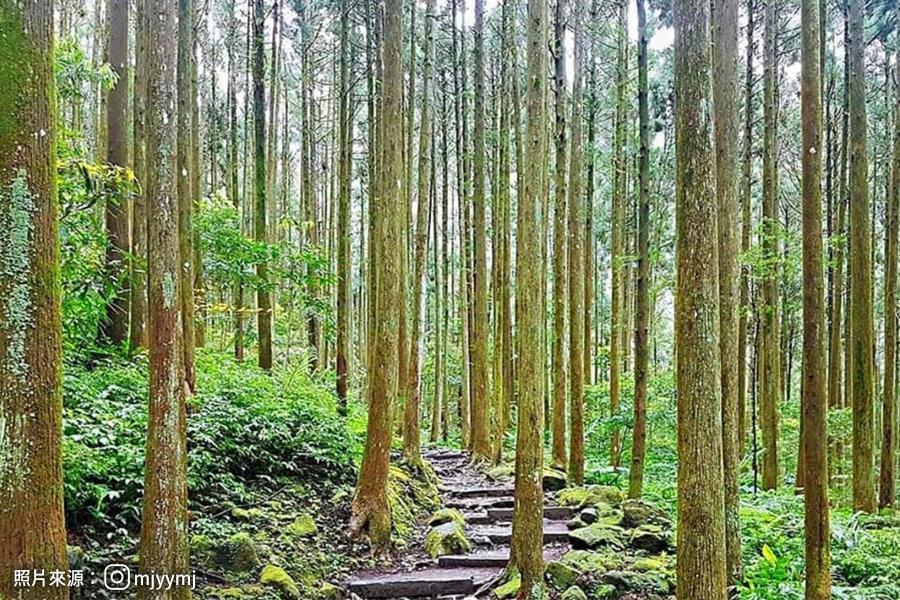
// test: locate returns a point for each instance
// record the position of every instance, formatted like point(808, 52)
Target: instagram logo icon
point(117, 577)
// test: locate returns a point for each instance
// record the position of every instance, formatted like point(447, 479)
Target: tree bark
point(138, 300)
point(185, 192)
point(263, 297)
point(32, 521)
point(344, 258)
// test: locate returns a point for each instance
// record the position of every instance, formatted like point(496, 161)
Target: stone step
point(482, 492)
point(478, 518)
point(553, 533)
point(496, 558)
point(553, 513)
point(475, 504)
point(423, 584)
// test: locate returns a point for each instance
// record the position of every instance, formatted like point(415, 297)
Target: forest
point(449, 299)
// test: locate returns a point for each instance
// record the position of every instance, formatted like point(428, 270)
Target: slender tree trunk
point(32, 521)
point(815, 399)
point(725, 86)
point(114, 328)
point(560, 286)
point(770, 367)
point(185, 193)
point(589, 260)
point(263, 297)
point(234, 196)
point(344, 258)
point(527, 539)
point(197, 286)
point(701, 561)
point(575, 256)
point(639, 437)
point(371, 510)
point(164, 518)
point(862, 329)
point(138, 300)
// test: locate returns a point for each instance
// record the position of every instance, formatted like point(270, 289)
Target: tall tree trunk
point(371, 510)
point(815, 399)
point(197, 286)
point(345, 264)
point(617, 312)
point(725, 86)
point(164, 518)
point(185, 192)
point(263, 298)
point(770, 349)
point(639, 437)
point(32, 521)
point(232, 189)
point(560, 287)
point(589, 259)
point(527, 539)
point(575, 256)
point(701, 520)
point(862, 329)
point(138, 300)
point(114, 328)
point(887, 482)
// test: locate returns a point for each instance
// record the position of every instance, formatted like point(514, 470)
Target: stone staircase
point(488, 509)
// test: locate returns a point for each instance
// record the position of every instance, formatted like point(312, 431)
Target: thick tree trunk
point(815, 399)
point(263, 297)
point(528, 518)
point(560, 287)
point(701, 520)
point(32, 522)
point(862, 329)
point(164, 519)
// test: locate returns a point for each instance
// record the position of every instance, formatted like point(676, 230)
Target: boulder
point(554, 480)
point(592, 495)
point(574, 593)
point(504, 471)
point(447, 538)
point(277, 578)
point(237, 554)
point(638, 512)
point(589, 516)
point(509, 589)
point(598, 535)
point(589, 562)
point(560, 575)
point(604, 591)
point(640, 583)
point(247, 515)
point(447, 515)
point(647, 565)
point(303, 526)
point(652, 538)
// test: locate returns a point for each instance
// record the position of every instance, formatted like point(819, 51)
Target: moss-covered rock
point(447, 515)
point(652, 538)
point(554, 480)
point(598, 535)
point(277, 578)
point(592, 495)
point(646, 565)
point(503, 471)
point(603, 591)
point(234, 593)
point(560, 574)
point(638, 512)
point(76, 557)
point(303, 526)
point(448, 538)
point(236, 555)
point(589, 562)
point(509, 589)
point(574, 593)
point(247, 514)
point(328, 591)
point(642, 583)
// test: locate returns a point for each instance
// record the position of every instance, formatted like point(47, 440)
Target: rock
point(591, 495)
point(560, 575)
point(574, 593)
point(589, 516)
point(504, 471)
point(598, 535)
point(277, 578)
point(589, 562)
point(554, 480)
point(447, 515)
point(237, 554)
point(76, 557)
point(644, 565)
point(603, 591)
point(448, 538)
point(576, 523)
point(652, 538)
point(243, 514)
point(230, 594)
point(637, 512)
point(644, 583)
point(303, 526)
point(509, 589)
point(329, 591)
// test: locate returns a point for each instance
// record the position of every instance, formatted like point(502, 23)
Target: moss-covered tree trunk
point(815, 396)
point(862, 329)
point(344, 260)
point(575, 258)
point(642, 302)
point(770, 348)
point(164, 519)
point(701, 501)
point(560, 287)
point(725, 86)
point(263, 297)
point(32, 523)
point(185, 190)
point(138, 289)
point(371, 509)
point(528, 536)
